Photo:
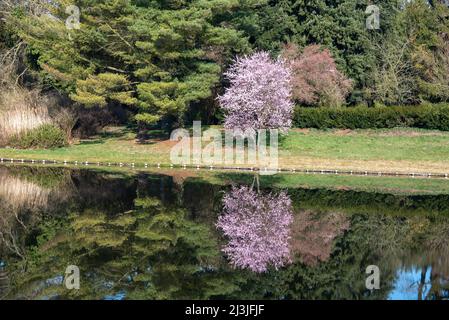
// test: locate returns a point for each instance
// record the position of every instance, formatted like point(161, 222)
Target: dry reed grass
point(21, 110)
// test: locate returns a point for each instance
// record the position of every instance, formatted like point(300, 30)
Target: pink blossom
point(259, 96)
point(316, 79)
point(257, 227)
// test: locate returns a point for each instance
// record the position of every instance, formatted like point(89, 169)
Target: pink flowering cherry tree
point(315, 77)
point(259, 96)
point(257, 227)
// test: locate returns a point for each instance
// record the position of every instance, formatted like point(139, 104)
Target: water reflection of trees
point(144, 238)
point(24, 194)
point(314, 234)
point(32, 197)
point(156, 252)
point(257, 227)
point(438, 259)
point(430, 235)
point(151, 252)
point(27, 194)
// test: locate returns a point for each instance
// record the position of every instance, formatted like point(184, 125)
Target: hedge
point(434, 117)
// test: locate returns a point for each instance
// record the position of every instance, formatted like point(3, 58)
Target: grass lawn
point(389, 150)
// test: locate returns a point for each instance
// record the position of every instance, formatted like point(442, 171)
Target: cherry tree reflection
point(257, 227)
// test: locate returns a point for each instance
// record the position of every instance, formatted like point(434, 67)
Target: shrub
point(435, 117)
point(46, 136)
point(92, 120)
point(66, 119)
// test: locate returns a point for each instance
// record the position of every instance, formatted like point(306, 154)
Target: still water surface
point(174, 236)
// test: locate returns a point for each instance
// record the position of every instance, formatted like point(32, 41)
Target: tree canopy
point(155, 56)
point(165, 60)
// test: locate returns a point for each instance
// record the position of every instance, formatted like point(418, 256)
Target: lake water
point(180, 235)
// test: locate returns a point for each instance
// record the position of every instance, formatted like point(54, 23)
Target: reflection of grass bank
point(391, 185)
point(335, 196)
point(393, 150)
point(327, 193)
point(46, 177)
point(380, 184)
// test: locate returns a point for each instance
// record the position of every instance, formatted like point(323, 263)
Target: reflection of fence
point(133, 165)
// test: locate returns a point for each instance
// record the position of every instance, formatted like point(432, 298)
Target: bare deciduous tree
point(394, 77)
point(433, 70)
